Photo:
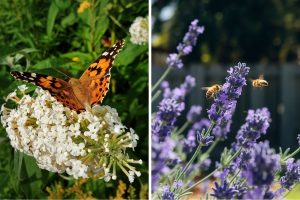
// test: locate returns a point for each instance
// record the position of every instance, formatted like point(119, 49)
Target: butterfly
point(78, 94)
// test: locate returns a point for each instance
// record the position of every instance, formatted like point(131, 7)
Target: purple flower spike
point(193, 113)
point(190, 38)
point(259, 193)
point(224, 104)
point(291, 175)
point(163, 123)
point(262, 166)
point(224, 191)
point(180, 92)
point(178, 184)
point(189, 143)
point(186, 47)
point(257, 123)
point(174, 61)
point(167, 194)
point(204, 140)
point(298, 138)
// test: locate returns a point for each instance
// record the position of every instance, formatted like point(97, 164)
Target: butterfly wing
point(96, 78)
point(58, 88)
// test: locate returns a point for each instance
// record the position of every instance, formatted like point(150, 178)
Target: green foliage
point(57, 38)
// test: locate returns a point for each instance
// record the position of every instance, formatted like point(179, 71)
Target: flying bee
point(260, 82)
point(212, 90)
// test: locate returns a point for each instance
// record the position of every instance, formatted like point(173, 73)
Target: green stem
point(200, 181)
point(212, 124)
point(292, 154)
point(196, 152)
point(184, 126)
point(212, 147)
point(234, 156)
point(118, 23)
point(154, 97)
point(236, 174)
point(161, 78)
point(209, 175)
point(183, 194)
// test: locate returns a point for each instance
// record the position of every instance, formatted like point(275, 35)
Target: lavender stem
point(161, 78)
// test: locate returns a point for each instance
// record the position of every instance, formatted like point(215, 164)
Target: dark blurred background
point(263, 34)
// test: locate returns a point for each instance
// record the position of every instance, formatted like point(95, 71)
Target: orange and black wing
point(58, 88)
point(97, 77)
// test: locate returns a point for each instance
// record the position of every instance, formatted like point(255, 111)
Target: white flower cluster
point(89, 144)
point(139, 31)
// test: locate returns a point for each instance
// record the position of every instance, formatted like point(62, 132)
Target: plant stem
point(236, 174)
point(292, 154)
point(191, 160)
point(212, 147)
point(184, 126)
point(196, 152)
point(234, 156)
point(161, 79)
point(183, 194)
point(209, 175)
point(203, 179)
point(154, 97)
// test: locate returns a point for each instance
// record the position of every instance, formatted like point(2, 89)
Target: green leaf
point(130, 52)
point(68, 20)
point(52, 14)
point(34, 173)
point(101, 27)
point(18, 159)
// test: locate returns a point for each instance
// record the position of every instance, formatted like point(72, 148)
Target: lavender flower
point(205, 164)
point(291, 175)
point(178, 184)
point(189, 143)
point(190, 38)
point(204, 140)
point(186, 47)
point(223, 126)
point(193, 113)
point(261, 167)
point(169, 110)
point(298, 138)
point(257, 123)
point(163, 156)
point(174, 61)
point(167, 194)
point(180, 92)
point(224, 191)
point(223, 107)
point(259, 193)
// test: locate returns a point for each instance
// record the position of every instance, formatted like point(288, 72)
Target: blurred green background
point(63, 37)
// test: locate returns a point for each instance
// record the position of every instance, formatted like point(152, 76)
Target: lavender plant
point(249, 169)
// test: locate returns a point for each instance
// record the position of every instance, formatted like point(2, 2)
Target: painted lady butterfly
point(78, 94)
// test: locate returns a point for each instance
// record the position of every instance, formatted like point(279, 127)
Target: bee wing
point(261, 76)
point(205, 88)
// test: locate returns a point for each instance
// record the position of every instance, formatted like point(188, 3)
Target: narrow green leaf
point(52, 13)
point(101, 27)
point(18, 159)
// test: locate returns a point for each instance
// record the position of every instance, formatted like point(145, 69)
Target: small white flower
point(85, 145)
point(139, 31)
point(22, 88)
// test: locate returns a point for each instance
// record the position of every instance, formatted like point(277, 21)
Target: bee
point(212, 90)
point(260, 82)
